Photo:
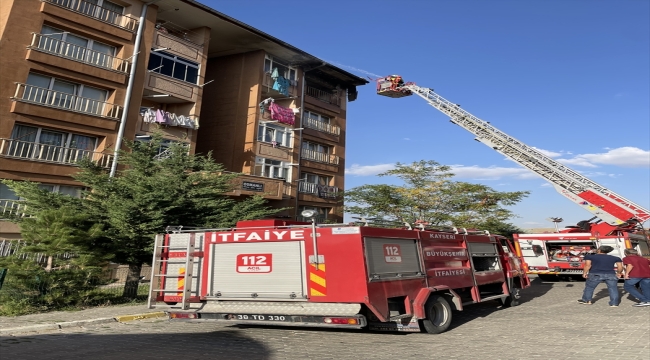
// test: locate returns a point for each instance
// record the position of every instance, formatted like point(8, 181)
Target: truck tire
point(438, 313)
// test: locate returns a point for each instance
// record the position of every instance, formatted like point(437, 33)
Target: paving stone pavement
point(549, 324)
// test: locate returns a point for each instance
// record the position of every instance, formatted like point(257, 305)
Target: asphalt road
point(549, 324)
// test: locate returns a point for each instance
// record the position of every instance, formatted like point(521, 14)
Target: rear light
point(182, 316)
point(341, 321)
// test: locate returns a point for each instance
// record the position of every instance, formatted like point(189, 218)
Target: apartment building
point(79, 75)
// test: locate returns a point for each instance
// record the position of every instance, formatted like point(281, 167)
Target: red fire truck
point(349, 276)
point(617, 222)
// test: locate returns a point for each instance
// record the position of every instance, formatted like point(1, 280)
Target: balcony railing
point(11, 208)
point(13, 148)
point(79, 53)
point(322, 191)
point(98, 12)
point(321, 126)
point(323, 96)
point(61, 100)
point(320, 157)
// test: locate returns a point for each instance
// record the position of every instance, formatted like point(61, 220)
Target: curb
point(126, 318)
point(80, 323)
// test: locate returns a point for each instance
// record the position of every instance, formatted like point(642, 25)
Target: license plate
point(258, 317)
point(575, 264)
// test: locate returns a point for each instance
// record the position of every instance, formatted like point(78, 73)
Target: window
point(54, 92)
point(163, 149)
point(270, 168)
point(74, 191)
point(316, 179)
point(50, 145)
point(321, 212)
point(284, 69)
point(6, 193)
point(274, 134)
point(76, 47)
point(167, 64)
point(316, 147)
point(311, 116)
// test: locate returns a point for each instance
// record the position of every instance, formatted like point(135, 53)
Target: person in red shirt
point(637, 271)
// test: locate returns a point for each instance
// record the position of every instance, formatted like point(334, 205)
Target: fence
point(28, 291)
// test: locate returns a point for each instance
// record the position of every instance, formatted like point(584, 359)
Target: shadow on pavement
point(214, 345)
point(470, 312)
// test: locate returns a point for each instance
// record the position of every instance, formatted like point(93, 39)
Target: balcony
point(324, 96)
point(321, 126)
point(319, 157)
point(17, 149)
point(11, 208)
point(322, 191)
point(59, 100)
point(267, 83)
point(78, 53)
point(98, 12)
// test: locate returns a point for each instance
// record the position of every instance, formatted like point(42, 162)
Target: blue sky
point(569, 77)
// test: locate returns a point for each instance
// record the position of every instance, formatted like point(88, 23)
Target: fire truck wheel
point(438, 313)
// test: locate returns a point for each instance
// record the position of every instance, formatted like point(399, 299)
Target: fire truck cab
point(302, 274)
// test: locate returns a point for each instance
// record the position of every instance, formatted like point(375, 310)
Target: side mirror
point(537, 249)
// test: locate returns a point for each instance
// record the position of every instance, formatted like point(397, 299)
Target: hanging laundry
point(149, 116)
point(281, 85)
point(281, 114)
point(275, 74)
point(168, 118)
point(160, 116)
point(263, 103)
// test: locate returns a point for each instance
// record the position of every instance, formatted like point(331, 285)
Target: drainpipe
point(129, 87)
point(302, 112)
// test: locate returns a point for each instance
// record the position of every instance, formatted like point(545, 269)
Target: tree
point(429, 195)
point(53, 224)
point(157, 190)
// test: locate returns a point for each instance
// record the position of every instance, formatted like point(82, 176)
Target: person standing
point(601, 267)
point(637, 271)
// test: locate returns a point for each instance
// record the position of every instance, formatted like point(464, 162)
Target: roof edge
point(360, 80)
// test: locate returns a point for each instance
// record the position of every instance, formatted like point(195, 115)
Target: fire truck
point(356, 275)
point(617, 221)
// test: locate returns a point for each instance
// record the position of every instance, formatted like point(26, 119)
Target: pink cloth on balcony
point(160, 116)
point(281, 114)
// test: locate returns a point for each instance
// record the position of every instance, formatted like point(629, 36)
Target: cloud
point(368, 170)
point(627, 156)
point(407, 139)
point(546, 184)
point(548, 153)
point(490, 173)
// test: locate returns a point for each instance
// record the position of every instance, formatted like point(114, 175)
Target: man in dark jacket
point(599, 268)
